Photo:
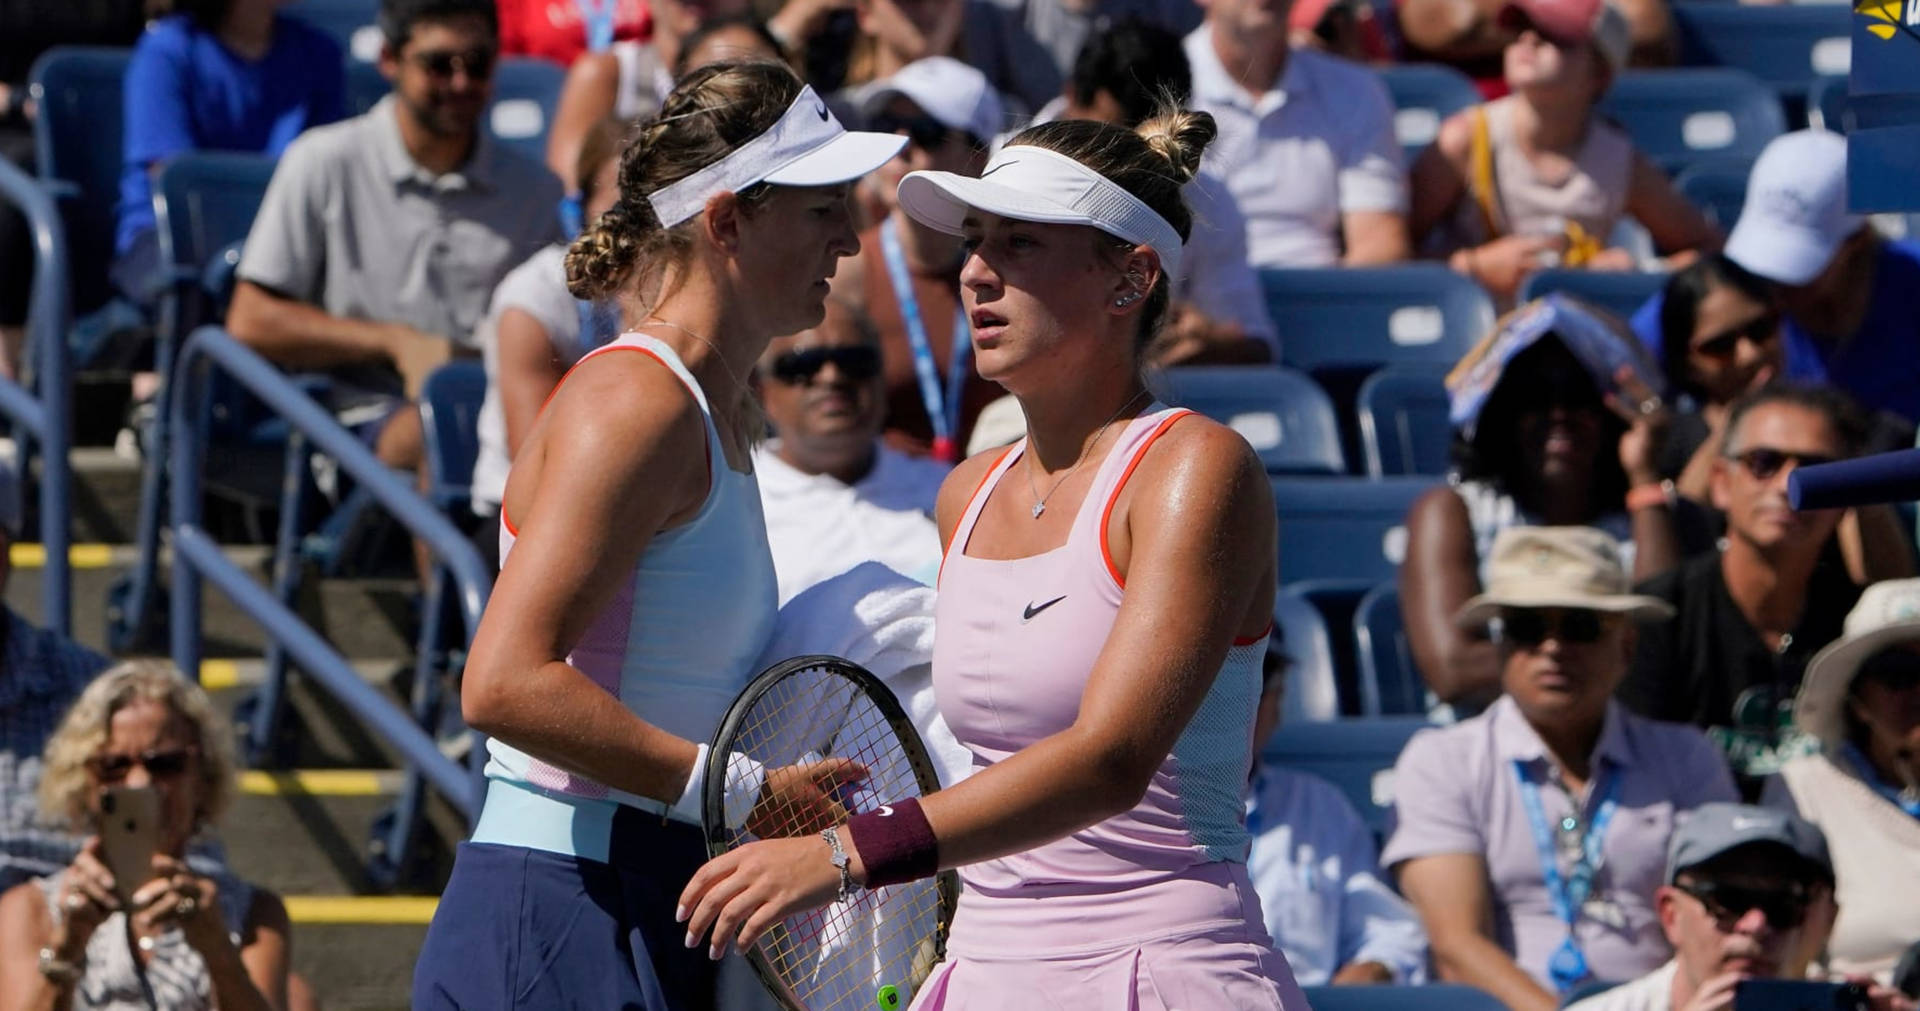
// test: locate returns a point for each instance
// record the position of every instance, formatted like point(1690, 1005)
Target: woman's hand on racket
point(740, 894)
point(803, 798)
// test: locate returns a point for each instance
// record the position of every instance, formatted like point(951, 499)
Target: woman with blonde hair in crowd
point(636, 589)
point(187, 939)
point(1102, 619)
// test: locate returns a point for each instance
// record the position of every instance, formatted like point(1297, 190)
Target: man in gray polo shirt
point(382, 237)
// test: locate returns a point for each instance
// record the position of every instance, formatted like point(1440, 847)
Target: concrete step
point(358, 964)
point(362, 617)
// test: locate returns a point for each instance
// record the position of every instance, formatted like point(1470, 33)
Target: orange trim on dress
point(984, 478)
point(1251, 639)
point(705, 446)
point(1106, 514)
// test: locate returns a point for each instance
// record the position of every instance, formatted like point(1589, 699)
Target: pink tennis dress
point(1150, 910)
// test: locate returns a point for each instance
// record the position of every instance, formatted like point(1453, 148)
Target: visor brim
point(849, 156)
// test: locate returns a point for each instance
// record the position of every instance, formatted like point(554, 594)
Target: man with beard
point(382, 237)
point(1742, 901)
point(834, 495)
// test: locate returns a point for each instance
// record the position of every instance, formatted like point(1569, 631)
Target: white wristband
point(744, 778)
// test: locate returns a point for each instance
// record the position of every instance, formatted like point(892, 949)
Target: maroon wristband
point(895, 843)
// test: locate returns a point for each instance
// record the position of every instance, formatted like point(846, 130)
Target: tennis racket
point(875, 949)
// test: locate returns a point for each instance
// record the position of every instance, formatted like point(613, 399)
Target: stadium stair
point(301, 827)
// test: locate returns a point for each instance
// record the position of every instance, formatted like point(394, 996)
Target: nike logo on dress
point(1033, 609)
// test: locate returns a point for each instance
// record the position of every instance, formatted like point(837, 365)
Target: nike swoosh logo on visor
point(1033, 609)
point(822, 110)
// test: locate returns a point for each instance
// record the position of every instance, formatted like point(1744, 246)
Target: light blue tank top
point(676, 645)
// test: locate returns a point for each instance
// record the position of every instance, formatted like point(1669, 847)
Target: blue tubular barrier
point(47, 417)
point(196, 555)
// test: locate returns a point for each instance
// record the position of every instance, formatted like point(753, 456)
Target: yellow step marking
point(80, 556)
point(363, 909)
point(319, 782)
point(218, 674)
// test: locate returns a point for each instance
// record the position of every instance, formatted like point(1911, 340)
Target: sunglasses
point(1759, 333)
point(1784, 908)
point(923, 131)
point(441, 64)
point(1763, 463)
point(797, 368)
point(159, 764)
point(1896, 670)
point(1529, 627)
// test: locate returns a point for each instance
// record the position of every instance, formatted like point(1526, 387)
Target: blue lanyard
point(943, 406)
point(1902, 799)
point(598, 16)
point(1568, 965)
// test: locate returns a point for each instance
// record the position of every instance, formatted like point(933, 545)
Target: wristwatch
point(840, 863)
point(57, 969)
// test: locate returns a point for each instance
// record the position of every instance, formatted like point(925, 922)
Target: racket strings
point(846, 954)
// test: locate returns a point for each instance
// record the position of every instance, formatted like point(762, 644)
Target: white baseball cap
point(1795, 216)
point(950, 91)
point(807, 146)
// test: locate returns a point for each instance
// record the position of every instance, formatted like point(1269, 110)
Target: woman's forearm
point(233, 988)
point(1046, 791)
point(559, 716)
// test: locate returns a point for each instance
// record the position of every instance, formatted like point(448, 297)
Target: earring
point(1126, 300)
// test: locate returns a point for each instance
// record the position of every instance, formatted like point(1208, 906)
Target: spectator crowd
point(1673, 720)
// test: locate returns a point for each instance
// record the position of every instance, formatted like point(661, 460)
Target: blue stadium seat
point(1287, 419)
point(1620, 292)
point(1301, 636)
point(1678, 117)
point(1717, 186)
point(352, 23)
point(1355, 755)
point(1424, 94)
point(365, 87)
point(1404, 429)
point(77, 143)
point(525, 94)
point(1344, 528)
point(1390, 683)
point(1351, 320)
point(1432, 997)
point(450, 421)
point(1787, 47)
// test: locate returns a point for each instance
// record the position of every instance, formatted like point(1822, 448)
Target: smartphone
point(129, 836)
point(1798, 995)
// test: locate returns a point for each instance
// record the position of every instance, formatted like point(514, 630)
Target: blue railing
point(45, 412)
point(196, 555)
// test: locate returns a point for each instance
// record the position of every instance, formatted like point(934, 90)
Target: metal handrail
point(46, 413)
point(195, 553)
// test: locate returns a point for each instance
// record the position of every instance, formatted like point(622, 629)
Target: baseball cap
point(1712, 830)
point(1574, 23)
point(1887, 614)
point(807, 146)
point(1571, 567)
point(950, 91)
point(1795, 217)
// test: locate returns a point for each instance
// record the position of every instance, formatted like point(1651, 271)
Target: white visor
point(1034, 184)
point(807, 147)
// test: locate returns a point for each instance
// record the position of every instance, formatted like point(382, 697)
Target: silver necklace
point(739, 385)
point(1039, 500)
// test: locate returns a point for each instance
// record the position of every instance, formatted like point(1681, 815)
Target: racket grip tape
point(895, 843)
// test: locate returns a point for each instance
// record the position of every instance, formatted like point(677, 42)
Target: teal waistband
point(521, 814)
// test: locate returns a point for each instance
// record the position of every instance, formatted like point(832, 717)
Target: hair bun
point(1180, 136)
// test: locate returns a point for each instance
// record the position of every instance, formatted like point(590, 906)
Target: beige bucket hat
point(1572, 567)
point(1888, 614)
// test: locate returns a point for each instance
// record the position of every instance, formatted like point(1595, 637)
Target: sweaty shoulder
point(626, 394)
point(959, 487)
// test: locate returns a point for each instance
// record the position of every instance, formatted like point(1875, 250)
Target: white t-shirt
point(1652, 992)
point(538, 288)
point(819, 527)
point(1319, 145)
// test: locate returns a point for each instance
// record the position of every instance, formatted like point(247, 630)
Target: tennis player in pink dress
point(1103, 614)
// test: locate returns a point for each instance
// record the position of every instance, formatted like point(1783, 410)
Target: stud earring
point(1126, 300)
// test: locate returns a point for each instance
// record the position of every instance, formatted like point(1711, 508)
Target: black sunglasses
point(478, 63)
point(159, 764)
point(797, 368)
point(1784, 908)
point(1763, 462)
point(1531, 626)
point(1760, 333)
point(923, 131)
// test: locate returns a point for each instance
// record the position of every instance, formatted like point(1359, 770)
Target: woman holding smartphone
point(145, 762)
